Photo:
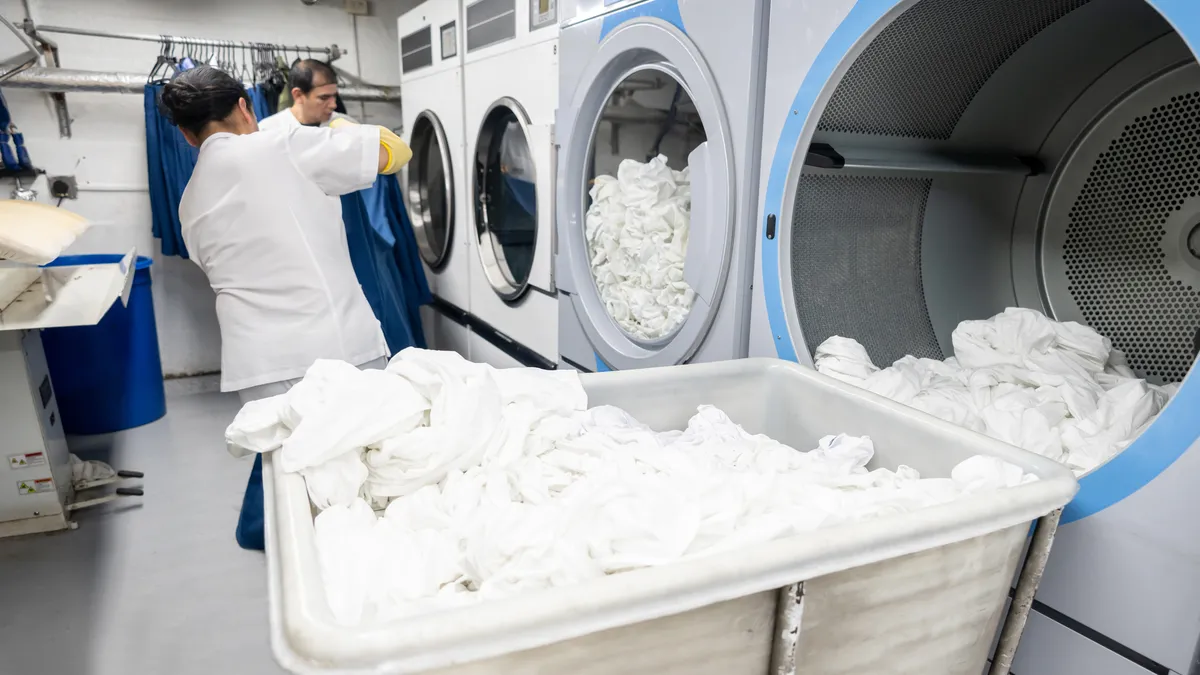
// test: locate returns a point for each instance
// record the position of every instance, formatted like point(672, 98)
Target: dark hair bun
point(196, 97)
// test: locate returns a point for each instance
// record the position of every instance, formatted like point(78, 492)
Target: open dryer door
point(430, 181)
point(942, 160)
point(513, 202)
point(645, 272)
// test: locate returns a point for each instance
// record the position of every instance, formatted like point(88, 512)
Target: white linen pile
point(498, 482)
point(637, 234)
point(1057, 389)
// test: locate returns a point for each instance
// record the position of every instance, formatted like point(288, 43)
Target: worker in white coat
point(314, 89)
point(257, 218)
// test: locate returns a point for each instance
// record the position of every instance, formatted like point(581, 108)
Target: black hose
point(667, 123)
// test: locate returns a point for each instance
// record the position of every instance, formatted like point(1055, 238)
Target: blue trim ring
point(1177, 427)
point(666, 10)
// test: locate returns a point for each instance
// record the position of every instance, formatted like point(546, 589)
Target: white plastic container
point(918, 593)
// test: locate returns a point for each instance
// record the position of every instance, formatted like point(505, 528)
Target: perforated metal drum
point(989, 153)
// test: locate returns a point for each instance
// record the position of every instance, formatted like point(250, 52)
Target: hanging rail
point(65, 80)
point(333, 51)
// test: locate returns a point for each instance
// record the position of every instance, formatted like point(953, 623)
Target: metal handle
point(1027, 585)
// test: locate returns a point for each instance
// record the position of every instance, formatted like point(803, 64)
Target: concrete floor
point(150, 585)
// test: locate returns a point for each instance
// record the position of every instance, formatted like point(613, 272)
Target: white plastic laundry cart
point(920, 593)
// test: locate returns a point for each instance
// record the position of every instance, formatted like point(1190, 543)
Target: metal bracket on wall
point(50, 56)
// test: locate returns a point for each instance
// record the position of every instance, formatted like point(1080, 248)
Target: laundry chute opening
point(431, 190)
point(638, 203)
point(505, 192)
point(1053, 166)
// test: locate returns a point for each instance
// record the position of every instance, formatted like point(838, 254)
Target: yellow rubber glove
point(398, 152)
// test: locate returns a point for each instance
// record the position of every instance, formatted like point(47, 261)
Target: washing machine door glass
point(925, 192)
point(646, 198)
point(506, 200)
point(431, 190)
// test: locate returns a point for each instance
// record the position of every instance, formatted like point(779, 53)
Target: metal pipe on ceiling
point(333, 51)
point(65, 80)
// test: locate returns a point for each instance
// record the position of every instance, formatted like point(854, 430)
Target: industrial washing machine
point(510, 79)
point(676, 78)
point(435, 180)
point(930, 161)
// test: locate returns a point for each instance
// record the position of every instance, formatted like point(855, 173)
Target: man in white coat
point(258, 219)
point(314, 88)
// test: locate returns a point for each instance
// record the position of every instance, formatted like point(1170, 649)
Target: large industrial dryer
point(931, 161)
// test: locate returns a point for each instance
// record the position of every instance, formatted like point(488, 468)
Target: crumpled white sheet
point(89, 470)
point(510, 483)
point(637, 233)
point(387, 433)
point(1057, 389)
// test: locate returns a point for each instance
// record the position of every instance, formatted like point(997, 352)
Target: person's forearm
point(393, 152)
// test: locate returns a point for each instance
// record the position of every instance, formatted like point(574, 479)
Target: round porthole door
point(505, 196)
point(646, 197)
point(431, 190)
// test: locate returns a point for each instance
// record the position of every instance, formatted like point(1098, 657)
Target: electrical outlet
point(358, 7)
point(63, 187)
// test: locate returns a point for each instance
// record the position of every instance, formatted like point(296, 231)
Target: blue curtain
point(383, 250)
point(169, 163)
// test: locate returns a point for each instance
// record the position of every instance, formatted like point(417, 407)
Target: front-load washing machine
point(642, 83)
point(931, 161)
point(435, 180)
point(510, 79)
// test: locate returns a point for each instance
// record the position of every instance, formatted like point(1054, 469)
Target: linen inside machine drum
point(982, 154)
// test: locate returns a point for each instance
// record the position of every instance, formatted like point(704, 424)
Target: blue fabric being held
point(169, 163)
point(251, 530)
point(258, 100)
point(384, 252)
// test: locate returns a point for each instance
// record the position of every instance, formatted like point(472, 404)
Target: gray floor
point(155, 585)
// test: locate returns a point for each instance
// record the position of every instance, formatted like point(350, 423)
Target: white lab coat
point(284, 119)
point(258, 219)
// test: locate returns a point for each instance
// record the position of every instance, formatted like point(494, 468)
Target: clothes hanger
point(160, 61)
point(248, 69)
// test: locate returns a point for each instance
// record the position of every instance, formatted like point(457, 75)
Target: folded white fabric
point(1055, 388)
point(34, 233)
point(637, 233)
point(497, 482)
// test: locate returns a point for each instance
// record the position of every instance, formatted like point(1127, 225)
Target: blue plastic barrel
point(108, 377)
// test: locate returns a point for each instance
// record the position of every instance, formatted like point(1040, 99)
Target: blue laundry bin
point(108, 377)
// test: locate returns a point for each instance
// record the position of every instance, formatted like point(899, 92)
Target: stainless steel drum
point(979, 154)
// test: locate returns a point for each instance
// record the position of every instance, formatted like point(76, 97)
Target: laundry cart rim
point(509, 290)
point(1177, 427)
point(418, 187)
point(643, 43)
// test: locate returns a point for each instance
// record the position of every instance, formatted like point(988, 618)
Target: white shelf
point(78, 296)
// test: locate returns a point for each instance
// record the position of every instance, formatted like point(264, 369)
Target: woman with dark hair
point(257, 218)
